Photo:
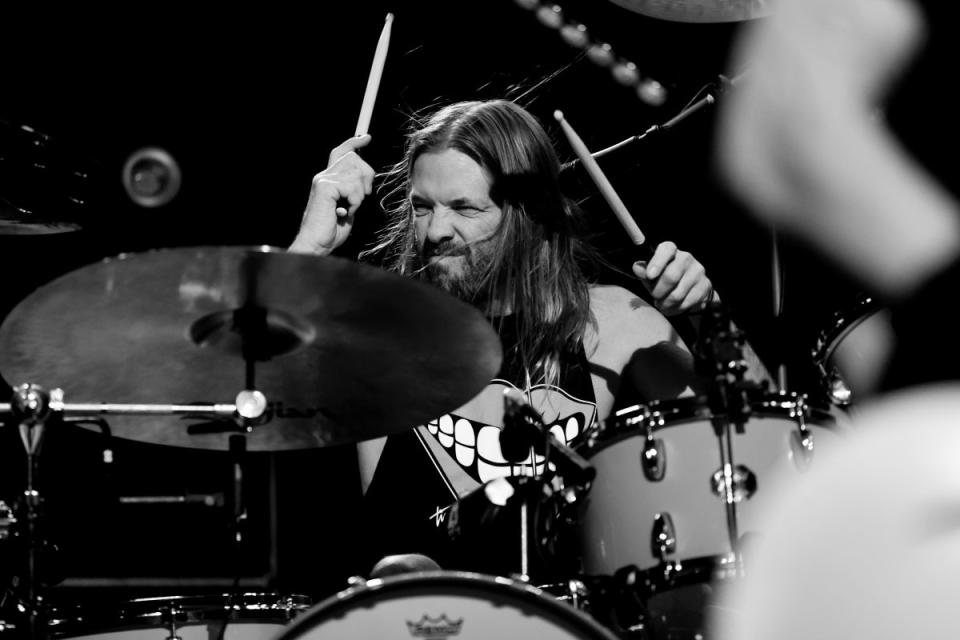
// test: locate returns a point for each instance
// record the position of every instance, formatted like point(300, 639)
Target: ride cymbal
point(342, 351)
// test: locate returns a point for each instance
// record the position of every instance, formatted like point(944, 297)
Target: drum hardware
point(654, 458)
point(31, 407)
point(801, 440)
point(8, 520)
point(742, 482)
point(252, 616)
point(663, 536)
point(34, 408)
point(170, 617)
point(720, 352)
point(849, 353)
point(566, 473)
point(206, 499)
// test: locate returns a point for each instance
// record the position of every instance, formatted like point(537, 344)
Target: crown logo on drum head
point(437, 628)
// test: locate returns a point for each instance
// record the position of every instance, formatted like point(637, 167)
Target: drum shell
point(617, 516)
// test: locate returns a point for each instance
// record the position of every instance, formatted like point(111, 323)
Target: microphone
point(722, 84)
point(524, 429)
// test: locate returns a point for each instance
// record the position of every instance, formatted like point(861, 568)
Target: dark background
point(250, 101)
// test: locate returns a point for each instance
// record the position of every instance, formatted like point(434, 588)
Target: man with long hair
point(476, 208)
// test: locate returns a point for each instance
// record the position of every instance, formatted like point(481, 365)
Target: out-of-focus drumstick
point(373, 81)
point(603, 185)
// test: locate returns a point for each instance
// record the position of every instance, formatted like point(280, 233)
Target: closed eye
point(420, 207)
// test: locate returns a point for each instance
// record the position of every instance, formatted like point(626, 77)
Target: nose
point(440, 225)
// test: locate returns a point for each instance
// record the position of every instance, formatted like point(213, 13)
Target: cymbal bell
point(342, 351)
point(700, 10)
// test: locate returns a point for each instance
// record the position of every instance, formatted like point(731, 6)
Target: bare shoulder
point(631, 341)
point(622, 315)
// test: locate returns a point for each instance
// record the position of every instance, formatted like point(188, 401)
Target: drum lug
point(801, 448)
point(170, 617)
point(653, 459)
point(357, 581)
point(663, 536)
point(838, 391)
point(744, 483)
point(801, 440)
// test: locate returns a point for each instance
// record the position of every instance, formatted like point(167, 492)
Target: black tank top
point(424, 472)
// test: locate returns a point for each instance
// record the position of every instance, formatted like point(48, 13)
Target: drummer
point(480, 213)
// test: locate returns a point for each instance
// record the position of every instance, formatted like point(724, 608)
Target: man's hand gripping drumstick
point(675, 279)
point(338, 190)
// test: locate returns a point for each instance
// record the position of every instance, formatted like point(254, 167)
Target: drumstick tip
point(558, 115)
point(389, 18)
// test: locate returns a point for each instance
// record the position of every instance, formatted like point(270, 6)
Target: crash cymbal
point(343, 352)
point(45, 185)
point(700, 10)
point(19, 221)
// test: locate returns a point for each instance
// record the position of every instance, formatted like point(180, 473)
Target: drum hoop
point(692, 571)
point(445, 583)
point(667, 413)
point(148, 612)
point(842, 322)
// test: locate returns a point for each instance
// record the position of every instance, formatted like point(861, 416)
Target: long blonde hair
point(537, 267)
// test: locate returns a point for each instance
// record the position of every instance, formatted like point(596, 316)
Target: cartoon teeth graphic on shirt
point(471, 434)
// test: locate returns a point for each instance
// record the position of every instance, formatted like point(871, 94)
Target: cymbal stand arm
point(133, 409)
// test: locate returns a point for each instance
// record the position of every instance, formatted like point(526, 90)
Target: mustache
point(444, 249)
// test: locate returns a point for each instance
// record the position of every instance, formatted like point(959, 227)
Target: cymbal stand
point(250, 322)
point(720, 353)
point(32, 407)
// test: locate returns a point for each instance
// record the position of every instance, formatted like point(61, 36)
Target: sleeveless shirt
point(424, 472)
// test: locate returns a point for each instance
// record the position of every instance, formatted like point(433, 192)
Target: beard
point(466, 278)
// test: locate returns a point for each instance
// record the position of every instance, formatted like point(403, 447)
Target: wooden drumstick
point(603, 185)
point(373, 81)
point(370, 94)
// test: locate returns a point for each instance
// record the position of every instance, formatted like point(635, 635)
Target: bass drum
point(443, 604)
point(247, 616)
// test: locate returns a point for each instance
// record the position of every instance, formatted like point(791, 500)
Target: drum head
point(443, 604)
